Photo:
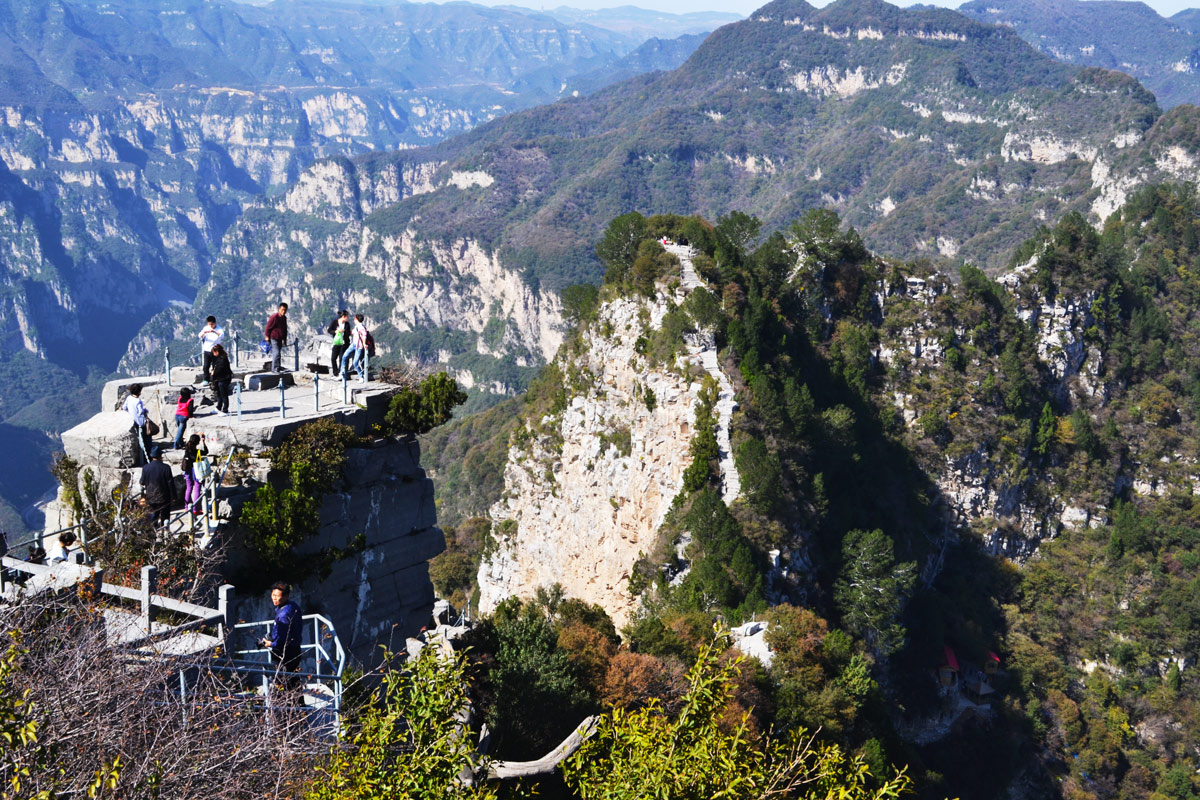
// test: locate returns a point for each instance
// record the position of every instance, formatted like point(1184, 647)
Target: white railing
point(328, 664)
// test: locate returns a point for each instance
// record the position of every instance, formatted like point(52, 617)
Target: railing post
point(316, 391)
point(317, 647)
point(167, 361)
point(282, 408)
point(345, 390)
point(238, 390)
point(366, 365)
point(296, 348)
point(225, 605)
point(149, 583)
point(235, 351)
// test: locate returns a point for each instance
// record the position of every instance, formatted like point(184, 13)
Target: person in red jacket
point(185, 409)
point(276, 334)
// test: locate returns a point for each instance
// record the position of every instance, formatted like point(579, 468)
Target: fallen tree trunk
point(505, 770)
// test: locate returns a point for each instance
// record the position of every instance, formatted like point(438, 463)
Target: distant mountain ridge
point(641, 22)
point(1162, 53)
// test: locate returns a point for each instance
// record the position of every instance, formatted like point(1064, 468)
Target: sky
point(744, 7)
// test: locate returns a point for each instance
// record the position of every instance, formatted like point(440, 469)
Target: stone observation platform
point(366, 567)
point(106, 440)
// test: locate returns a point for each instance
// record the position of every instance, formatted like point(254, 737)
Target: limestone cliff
point(583, 500)
point(587, 487)
point(331, 241)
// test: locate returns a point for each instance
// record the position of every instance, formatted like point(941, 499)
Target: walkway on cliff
point(726, 402)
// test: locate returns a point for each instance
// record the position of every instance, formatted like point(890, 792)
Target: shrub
point(320, 444)
point(277, 520)
point(422, 409)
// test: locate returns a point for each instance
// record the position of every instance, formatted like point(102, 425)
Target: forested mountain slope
point(1130, 37)
point(927, 461)
point(935, 136)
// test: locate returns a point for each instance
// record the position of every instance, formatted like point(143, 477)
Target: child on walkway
point(185, 409)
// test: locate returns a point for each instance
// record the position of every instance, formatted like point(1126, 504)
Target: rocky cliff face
point(426, 298)
point(332, 241)
point(586, 493)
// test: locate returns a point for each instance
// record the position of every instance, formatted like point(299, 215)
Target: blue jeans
point(276, 354)
point(353, 357)
point(180, 427)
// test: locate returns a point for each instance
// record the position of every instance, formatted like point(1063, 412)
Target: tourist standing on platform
point(136, 409)
point(341, 331)
point(284, 640)
point(158, 486)
point(195, 450)
point(277, 334)
point(185, 409)
point(210, 336)
point(353, 358)
point(222, 377)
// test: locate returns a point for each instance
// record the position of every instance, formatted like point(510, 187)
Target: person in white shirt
point(209, 336)
point(136, 409)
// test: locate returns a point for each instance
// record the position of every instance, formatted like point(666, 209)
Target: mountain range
point(1161, 52)
point(132, 135)
point(937, 137)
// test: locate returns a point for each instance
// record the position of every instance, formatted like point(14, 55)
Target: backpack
point(370, 345)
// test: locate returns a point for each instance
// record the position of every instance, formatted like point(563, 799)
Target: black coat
point(158, 484)
point(220, 369)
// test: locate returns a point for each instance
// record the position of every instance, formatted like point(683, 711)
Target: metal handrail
point(336, 662)
point(40, 537)
point(207, 495)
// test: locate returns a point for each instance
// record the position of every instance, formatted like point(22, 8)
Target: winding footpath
point(731, 484)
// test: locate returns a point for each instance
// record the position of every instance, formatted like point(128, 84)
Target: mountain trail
point(706, 350)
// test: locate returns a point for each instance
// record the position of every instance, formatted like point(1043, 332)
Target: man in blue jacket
point(284, 640)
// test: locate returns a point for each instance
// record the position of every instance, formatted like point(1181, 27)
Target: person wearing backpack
point(193, 454)
point(185, 409)
point(341, 331)
point(353, 358)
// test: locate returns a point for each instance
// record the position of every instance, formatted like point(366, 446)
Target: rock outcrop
point(377, 530)
point(587, 491)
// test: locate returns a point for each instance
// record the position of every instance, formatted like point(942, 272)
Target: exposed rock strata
point(580, 513)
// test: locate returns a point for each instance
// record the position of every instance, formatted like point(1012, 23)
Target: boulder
point(114, 392)
point(107, 440)
point(261, 381)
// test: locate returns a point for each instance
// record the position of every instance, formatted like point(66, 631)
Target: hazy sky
point(744, 7)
